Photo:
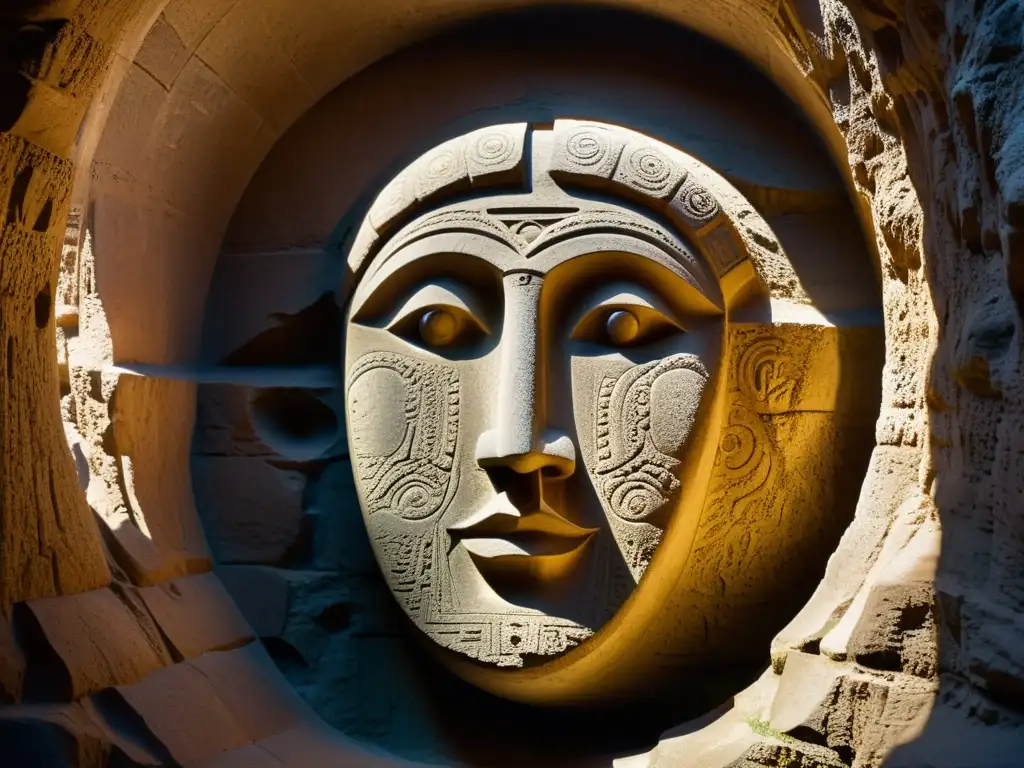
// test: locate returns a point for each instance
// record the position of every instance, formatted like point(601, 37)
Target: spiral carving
point(636, 500)
point(587, 147)
point(763, 376)
point(409, 474)
point(493, 148)
point(696, 203)
point(634, 477)
point(650, 168)
point(441, 166)
point(700, 203)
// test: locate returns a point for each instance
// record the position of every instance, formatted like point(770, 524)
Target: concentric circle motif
point(635, 500)
point(413, 502)
point(441, 166)
point(493, 148)
point(699, 203)
point(650, 168)
point(587, 147)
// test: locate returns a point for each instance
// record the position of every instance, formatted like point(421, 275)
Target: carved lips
point(504, 541)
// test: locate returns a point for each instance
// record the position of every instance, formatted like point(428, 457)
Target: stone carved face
point(527, 415)
point(578, 476)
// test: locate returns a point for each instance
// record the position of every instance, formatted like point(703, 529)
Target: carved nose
point(517, 438)
point(552, 453)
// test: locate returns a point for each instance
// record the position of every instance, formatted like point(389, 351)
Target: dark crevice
point(43, 220)
point(55, 573)
point(54, 503)
point(19, 192)
point(46, 678)
point(335, 618)
point(116, 714)
point(44, 301)
point(285, 655)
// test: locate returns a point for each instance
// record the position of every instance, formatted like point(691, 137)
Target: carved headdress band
point(612, 161)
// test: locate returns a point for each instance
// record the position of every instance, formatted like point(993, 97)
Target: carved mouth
point(503, 541)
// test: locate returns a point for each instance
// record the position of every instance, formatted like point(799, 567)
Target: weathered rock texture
point(912, 645)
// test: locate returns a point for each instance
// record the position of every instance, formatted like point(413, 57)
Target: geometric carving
point(405, 463)
point(488, 157)
point(441, 168)
point(649, 170)
point(694, 204)
point(495, 155)
point(451, 220)
point(764, 375)
point(635, 461)
point(530, 232)
point(610, 220)
point(585, 151)
point(516, 524)
point(780, 431)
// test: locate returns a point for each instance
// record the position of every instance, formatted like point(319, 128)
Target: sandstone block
point(277, 283)
point(163, 54)
point(99, 641)
point(891, 471)
point(223, 423)
point(181, 708)
point(894, 605)
point(197, 615)
point(152, 429)
point(805, 693)
point(260, 700)
point(790, 754)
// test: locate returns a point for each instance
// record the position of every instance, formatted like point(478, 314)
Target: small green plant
point(764, 728)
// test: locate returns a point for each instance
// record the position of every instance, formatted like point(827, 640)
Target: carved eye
point(625, 320)
point(438, 327)
point(622, 327)
point(437, 317)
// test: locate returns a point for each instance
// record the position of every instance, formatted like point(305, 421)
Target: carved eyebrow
point(416, 265)
point(440, 293)
point(665, 284)
point(449, 227)
point(624, 294)
point(627, 248)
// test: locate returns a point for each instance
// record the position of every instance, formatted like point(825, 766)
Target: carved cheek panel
point(404, 421)
point(644, 419)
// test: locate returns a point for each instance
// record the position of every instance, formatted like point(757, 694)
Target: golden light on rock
point(707, 394)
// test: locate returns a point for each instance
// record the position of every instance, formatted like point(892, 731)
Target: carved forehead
point(548, 187)
point(540, 238)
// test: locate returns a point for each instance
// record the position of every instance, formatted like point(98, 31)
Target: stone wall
point(119, 106)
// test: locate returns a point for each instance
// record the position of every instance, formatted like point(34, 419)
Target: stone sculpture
point(578, 389)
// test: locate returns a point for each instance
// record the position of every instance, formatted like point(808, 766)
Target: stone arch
point(873, 78)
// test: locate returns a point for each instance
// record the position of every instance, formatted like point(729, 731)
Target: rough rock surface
point(899, 654)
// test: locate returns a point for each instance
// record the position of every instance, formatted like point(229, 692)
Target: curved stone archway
point(902, 95)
